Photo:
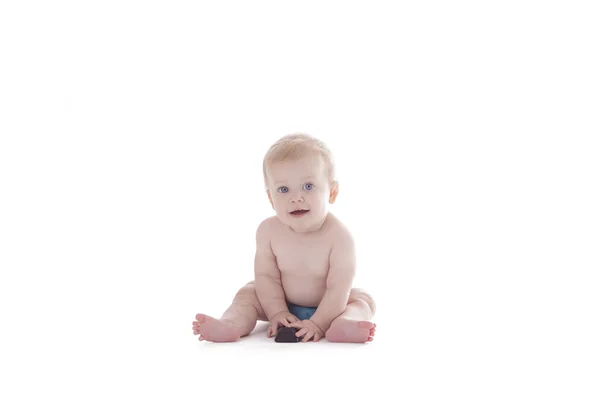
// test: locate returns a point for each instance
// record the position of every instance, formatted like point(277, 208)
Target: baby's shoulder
point(339, 230)
point(267, 226)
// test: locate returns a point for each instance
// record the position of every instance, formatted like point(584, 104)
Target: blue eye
point(283, 189)
point(308, 186)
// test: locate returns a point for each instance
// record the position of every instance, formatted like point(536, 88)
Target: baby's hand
point(284, 318)
point(308, 329)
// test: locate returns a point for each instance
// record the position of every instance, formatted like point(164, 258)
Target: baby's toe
point(201, 318)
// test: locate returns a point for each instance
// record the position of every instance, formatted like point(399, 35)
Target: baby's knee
point(247, 291)
point(362, 295)
point(246, 296)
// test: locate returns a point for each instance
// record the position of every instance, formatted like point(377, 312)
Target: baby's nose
point(296, 198)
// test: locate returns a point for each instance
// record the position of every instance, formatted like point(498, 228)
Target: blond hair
point(295, 146)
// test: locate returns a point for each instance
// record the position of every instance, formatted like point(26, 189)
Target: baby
point(305, 257)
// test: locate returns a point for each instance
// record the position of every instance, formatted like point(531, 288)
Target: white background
point(131, 142)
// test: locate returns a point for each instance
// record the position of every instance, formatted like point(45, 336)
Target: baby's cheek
point(280, 207)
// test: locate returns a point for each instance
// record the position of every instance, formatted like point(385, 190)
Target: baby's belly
point(303, 291)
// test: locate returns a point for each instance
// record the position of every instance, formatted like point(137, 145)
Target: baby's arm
point(342, 268)
point(267, 277)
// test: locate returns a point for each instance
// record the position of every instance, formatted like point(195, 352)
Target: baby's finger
point(293, 318)
point(317, 337)
point(308, 336)
point(301, 332)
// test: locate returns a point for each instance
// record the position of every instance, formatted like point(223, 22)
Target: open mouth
point(299, 212)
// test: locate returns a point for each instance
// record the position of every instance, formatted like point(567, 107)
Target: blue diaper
point(300, 312)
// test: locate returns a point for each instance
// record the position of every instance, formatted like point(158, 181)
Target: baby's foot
point(214, 330)
point(350, 331)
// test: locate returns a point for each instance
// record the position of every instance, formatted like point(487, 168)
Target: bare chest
point(302, 257)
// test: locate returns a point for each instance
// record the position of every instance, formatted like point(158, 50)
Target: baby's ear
point(270, 198)
point(335, 188)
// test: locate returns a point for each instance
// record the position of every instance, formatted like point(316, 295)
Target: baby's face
point(299, 192)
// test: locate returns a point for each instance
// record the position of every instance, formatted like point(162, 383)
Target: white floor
point(134, 340)
point(156, 356)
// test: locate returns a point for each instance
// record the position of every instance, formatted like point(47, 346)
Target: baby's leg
point(354, 324)
point(237, 321)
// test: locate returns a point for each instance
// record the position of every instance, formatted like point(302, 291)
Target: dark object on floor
point(287, 335)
